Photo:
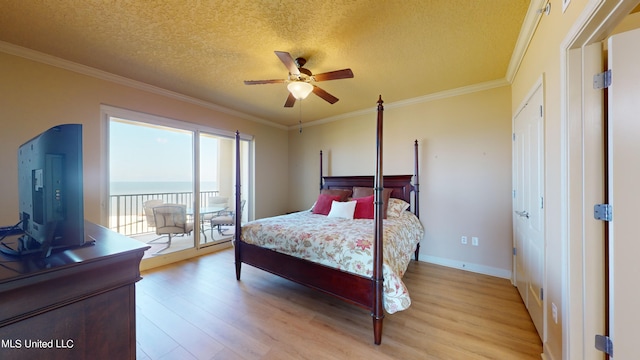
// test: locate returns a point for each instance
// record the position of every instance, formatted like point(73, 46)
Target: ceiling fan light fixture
point(300, 89)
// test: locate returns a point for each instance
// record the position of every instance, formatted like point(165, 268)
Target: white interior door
point(624, 194)
point(528, 206)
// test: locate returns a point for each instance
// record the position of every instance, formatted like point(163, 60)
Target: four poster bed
point(343, 257)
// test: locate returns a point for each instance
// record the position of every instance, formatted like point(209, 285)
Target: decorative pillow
point(364, 208)
point(323, 204)
point(396, 207)
point(343, 193)
point(342, 209)
point(359, 192)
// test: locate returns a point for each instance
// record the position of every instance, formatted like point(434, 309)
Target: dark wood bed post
point(378, 312)
point(238, 214)
point(321, 170)
point(416, 187)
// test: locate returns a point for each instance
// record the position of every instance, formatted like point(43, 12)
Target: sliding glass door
point(217, 186)
point(156, 164)
point(151, 166)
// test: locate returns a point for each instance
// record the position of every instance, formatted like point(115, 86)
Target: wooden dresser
point(75, 304)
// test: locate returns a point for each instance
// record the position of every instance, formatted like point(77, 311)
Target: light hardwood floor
point(196, 309)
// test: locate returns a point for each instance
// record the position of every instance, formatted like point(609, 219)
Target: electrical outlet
point(554, 312)
point(474, 241)
point(463, 240)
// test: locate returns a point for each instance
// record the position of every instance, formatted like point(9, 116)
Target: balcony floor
point(180, 242)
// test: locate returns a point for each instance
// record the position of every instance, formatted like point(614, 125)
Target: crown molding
point(529, 25)
point(526, 34)
point(40, 57)
point(417, 100)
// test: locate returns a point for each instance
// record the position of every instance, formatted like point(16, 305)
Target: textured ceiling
point(204, 49)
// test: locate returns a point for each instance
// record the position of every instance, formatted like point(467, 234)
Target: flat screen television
point(50, 190)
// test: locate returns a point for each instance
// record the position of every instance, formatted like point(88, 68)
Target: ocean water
point(153, 187)
point(126, 213)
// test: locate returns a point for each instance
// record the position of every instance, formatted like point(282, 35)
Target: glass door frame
point(108, 112)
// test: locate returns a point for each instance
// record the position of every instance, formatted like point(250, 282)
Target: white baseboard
point(476, 268)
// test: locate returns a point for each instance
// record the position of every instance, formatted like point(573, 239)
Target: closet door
point(624, 194)
point(528, 205)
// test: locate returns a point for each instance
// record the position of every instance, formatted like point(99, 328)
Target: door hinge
point(604, 344)
point(602, 80)
point(541, 294)
point(514, 194)
point(541, 202)
point(603, 212)
point(515, 251)
point(540, 110)
point(513, 136)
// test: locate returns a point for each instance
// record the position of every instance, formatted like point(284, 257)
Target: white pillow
point(343, 210)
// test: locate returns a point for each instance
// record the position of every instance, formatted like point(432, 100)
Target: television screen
point(50, 191)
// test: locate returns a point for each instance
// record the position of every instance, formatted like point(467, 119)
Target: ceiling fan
point(300, 79)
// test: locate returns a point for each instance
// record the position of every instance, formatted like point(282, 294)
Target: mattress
point(344, 244)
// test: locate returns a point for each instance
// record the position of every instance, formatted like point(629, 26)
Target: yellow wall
point(465, 150)
point(465, 169)
point(35, 96)
point(544, 58)
point(451, 206)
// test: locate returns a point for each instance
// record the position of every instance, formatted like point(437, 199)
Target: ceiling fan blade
point(257, 82)
point(288, 62)
point(325, 95)
point(334, 75)
point(290, 101)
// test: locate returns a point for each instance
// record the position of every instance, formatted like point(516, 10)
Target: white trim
point(172, 257)
point(462, 265)
point(545, 356)
point(104, 168)
point(417, 100)
point(109, 110)
point(526, 34)
point(528, 29)
point(596, 20)
point(565, 5)
point(103, 75)
point(526, 98)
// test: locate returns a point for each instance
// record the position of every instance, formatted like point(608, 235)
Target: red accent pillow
point(364, 207)
point(359, 192)
point(323, 204)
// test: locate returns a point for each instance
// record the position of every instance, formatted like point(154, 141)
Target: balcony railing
point(126, 214)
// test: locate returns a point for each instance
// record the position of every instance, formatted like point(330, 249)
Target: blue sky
point(154, 153)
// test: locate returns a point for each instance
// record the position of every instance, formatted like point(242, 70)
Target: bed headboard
point(400, 184)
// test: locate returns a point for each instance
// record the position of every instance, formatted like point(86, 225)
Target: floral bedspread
point(344, 244)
